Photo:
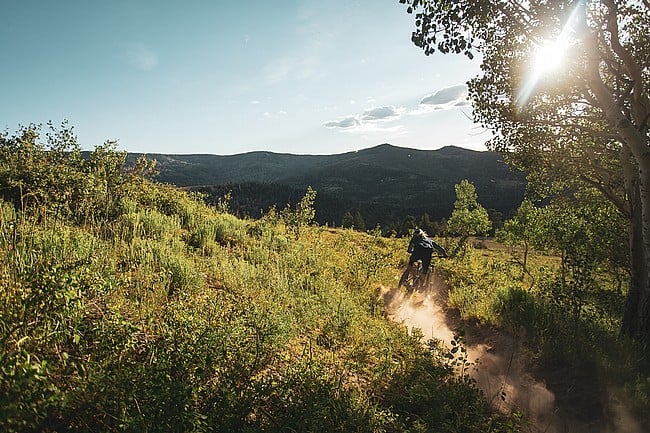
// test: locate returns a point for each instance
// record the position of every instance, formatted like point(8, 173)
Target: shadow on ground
point(553, 399)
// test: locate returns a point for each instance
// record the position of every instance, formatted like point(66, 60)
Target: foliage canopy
point(581, 125)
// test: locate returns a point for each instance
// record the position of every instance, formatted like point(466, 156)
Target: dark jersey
point(426, 243)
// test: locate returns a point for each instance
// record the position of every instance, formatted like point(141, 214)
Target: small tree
point(348, 221)
point(45, 173)
point(359, 223)
point(521, 229)
point(302, 215)
point(468, 218)
point(586, 233)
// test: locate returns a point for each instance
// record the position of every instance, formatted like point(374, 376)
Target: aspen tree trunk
point(635, 144)
point(638, 264)
point(644, 301)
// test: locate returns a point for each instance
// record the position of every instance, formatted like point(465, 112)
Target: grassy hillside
point(193, 320)
point(130, 306)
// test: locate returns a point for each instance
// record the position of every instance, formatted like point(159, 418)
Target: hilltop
point(384, 182)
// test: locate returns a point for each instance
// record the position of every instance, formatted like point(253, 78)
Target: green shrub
point(147, 224)
point(202, 235)
point(134, 307)
point(180, 272)
point(517, 308)
point(229, 229)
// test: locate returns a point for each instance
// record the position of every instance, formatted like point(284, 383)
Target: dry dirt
point(554, 400)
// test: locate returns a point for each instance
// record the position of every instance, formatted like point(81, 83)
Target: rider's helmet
point(420, 233)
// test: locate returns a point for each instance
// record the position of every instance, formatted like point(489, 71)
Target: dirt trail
point(504, 370)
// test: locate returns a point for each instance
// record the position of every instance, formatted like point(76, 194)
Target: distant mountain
point(382, 180)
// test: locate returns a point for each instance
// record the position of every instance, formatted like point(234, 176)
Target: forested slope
point(385, 183)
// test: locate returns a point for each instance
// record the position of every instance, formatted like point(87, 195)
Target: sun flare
point(550, 56)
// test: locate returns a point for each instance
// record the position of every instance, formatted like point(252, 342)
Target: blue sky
point(217, 77)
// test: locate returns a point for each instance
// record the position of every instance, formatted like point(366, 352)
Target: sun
point(550, 56)
point(548, 59)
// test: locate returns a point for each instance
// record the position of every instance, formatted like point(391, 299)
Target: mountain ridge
point(385, 176)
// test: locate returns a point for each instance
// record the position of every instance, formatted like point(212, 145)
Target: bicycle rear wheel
point(411, 276)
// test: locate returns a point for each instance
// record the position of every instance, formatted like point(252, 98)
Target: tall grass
point(489, 288)
point(165, 321)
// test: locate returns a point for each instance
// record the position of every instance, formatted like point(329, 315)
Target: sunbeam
point(549, 56)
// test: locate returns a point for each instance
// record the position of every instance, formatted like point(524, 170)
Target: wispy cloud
point(444, 99)
point(345, 123)
point(292, 67)
point(446, 95)
point(368, 120)
point(141, 57)
point(379, 114)
point(274, 115)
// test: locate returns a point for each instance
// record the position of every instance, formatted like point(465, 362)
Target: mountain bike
point(414, 278)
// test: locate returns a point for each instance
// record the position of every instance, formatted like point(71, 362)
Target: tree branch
point(619, 203)
point(640, 104)
point(604, 95)
point(517, 5)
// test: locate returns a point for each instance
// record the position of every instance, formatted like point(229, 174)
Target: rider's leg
point(410, 267)
point(426, 261)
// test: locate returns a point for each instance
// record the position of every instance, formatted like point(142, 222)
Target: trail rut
point(505, 371)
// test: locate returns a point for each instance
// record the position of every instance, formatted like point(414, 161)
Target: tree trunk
point(631, 325)
point(644, 193)
point(636, 145)
point(636, 317)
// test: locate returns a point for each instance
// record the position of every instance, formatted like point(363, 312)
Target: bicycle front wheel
point(410, 277)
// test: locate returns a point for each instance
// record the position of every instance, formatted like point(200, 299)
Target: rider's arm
point(440, 249)
point(411, 246)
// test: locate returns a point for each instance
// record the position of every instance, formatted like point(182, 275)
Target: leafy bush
point(147, 224)
point(131, 306)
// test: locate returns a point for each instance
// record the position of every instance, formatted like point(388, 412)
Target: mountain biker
point(421, 247)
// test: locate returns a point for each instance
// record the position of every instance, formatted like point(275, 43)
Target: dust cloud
point(501, 365)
